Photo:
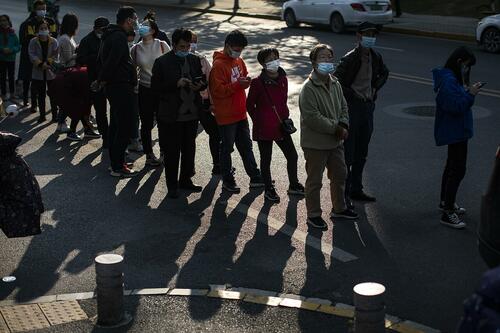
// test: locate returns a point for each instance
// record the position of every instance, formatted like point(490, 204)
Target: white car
point(488, 33)
point(339, 14)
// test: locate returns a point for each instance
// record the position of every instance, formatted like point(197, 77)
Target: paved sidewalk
point(459, 28)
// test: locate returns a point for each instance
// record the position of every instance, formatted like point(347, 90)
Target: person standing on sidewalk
point(324, 122)
point(9, 47)
point(453, 127)
point(178, 78)
point(228, 81)
point(87, 55)
point(207, 118)
point(267, 106)
point(144, 55)
point(118, 75)
point(362, 73)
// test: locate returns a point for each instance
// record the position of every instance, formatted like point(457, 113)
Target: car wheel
point(337, 23)
point(490, 41)
point(290, 19)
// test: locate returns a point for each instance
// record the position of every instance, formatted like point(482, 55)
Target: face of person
point(3, 22)
point(182, 46)
point(270, 58)
point(40, 8)
point(131, 23)
point(324, 56)
point(43, 31)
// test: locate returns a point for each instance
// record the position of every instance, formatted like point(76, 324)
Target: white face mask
point(43, 33)
point(41, 13)
point(273, 66)
point(234, 54)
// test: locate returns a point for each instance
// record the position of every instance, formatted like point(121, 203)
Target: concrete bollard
point(369, 303)
point(109, 279)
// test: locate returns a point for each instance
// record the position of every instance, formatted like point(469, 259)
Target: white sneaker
point(62, 128)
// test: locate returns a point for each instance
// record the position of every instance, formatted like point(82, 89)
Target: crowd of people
point(169, 83)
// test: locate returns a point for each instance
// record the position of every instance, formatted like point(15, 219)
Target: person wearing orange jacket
point(227, 84)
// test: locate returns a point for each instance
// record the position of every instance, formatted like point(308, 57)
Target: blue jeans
point(239, 134)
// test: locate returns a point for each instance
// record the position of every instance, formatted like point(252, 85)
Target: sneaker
point(91, 134)
point(317, 222)
point(62, 128)
point(125, 172)
point(135, 146)
point(348, 214)
point(74, 137)
point(257, 182)
point(230, 186)
point(152, 161)
point(452, 220)
point(456, 209)
point(271, 195)
point(362, 196)
point(296, 189)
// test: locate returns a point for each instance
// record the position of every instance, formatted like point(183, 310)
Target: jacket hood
point(221, 56)
point(8, 144)
point(441, 75)
point(111, 29)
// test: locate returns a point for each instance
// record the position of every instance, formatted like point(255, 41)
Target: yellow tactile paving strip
point(62, 312)
point(26, 317)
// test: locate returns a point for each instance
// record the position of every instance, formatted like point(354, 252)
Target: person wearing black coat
point(362, 73)
point(178, 79)
point(20, 197)
point(87, 55)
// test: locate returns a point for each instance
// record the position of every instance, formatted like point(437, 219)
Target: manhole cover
point(421, 110)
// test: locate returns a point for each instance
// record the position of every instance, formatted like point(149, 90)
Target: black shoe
point(349, 204)
point(216, 170)
point(91, 134)
point(41, 120)
point(189, 185)
point(317, 222)
point(271, 195)
point(362, 196)
point(173, 194)
point(346, 214)
point(257, 182)
point(230, 186)
point(452, 220)
point(296, 189)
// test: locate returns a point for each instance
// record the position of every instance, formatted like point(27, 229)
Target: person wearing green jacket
point(324, 126)
point(9, 47)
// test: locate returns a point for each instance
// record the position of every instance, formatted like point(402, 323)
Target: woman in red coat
point(267, 106)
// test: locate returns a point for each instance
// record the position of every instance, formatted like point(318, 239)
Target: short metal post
point(369, 303)
point(109, 279)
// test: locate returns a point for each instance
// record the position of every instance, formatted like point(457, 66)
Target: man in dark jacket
point(361, 73)
point(119, 77)
point(87, 55)
point(178, 78)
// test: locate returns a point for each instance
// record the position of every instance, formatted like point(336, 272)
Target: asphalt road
point(214, 239)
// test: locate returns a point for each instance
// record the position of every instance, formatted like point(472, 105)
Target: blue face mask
point(144, 30)
point(326, 68)
point(368, 42)
point(182, 54)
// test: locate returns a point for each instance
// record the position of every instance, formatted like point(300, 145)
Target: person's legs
point(147, 106)
point(315, 166)
point(100, 107)
point(134, 134)
point(54, 108)
point(171, 143)
point(38, 94)
point(209, 124)
point(11, 68)
point(26, 89)
point(3, 78)
point(457, 161)
point(337, 172)
point(363, 136)
point(288, 148)
point(35, 87)
point(188, 150)
point(228, 137)
point(350, 145)
point(244, 146)
point(266, 152)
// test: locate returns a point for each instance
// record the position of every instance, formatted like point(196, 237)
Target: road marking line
point(294, 233)
point(388, 48)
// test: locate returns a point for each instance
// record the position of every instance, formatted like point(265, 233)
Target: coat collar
point(315, 79)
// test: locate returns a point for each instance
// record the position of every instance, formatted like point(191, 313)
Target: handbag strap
point(270, 100)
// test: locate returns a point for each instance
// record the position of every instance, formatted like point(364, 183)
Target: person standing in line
point(324, 122)
point(87, 55)
point(362, 73)
point(135, 139)
point(43, 51)
point(207, 118)
point(228, 81)
point(454, 128)
point(178, 78)
point(268, 108)
point(118, 76)
point(9, 47)
point(158, 34)
point(144, 55)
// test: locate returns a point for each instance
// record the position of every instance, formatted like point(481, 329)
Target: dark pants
point(266, 151)
point(38, 95)
point(99, 102)
point(135, 129)
point(356, 145)
point(239, 134)
point(121, 99)
point(209, 124)
point(148, 108)
point(26, 89)
point(7, 69)
point(178, 141)
point(85, 123)
point(453, 174)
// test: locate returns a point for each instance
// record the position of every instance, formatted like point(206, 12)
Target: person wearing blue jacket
point(453, 127)
point(9, 47)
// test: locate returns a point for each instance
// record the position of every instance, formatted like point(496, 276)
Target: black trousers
point(356, 145)
point(266, 151)
point(453, 174)
point(148, 108)
point(209, 124)
point(26, 89)
point(121, 99)
point(100, 106)
point(7, 69)
point(38, 95)
point(178, 141)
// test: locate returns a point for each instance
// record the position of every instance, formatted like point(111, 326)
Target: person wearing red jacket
point(227, 84)
point(267, 106)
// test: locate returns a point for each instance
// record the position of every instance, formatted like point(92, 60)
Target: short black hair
point(7, 18)
point(264, 53)
point(124, 13)
point(236, 38)
point(39, 21)
point(38, 3)
point(181, 34)
point(463, 53)
point(314, 52)
point(69, 24)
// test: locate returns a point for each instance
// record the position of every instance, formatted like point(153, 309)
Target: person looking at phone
point(227, 84)
point(174, 78)
point(453, 127)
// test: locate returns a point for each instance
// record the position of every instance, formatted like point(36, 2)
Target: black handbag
point(287, 125)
